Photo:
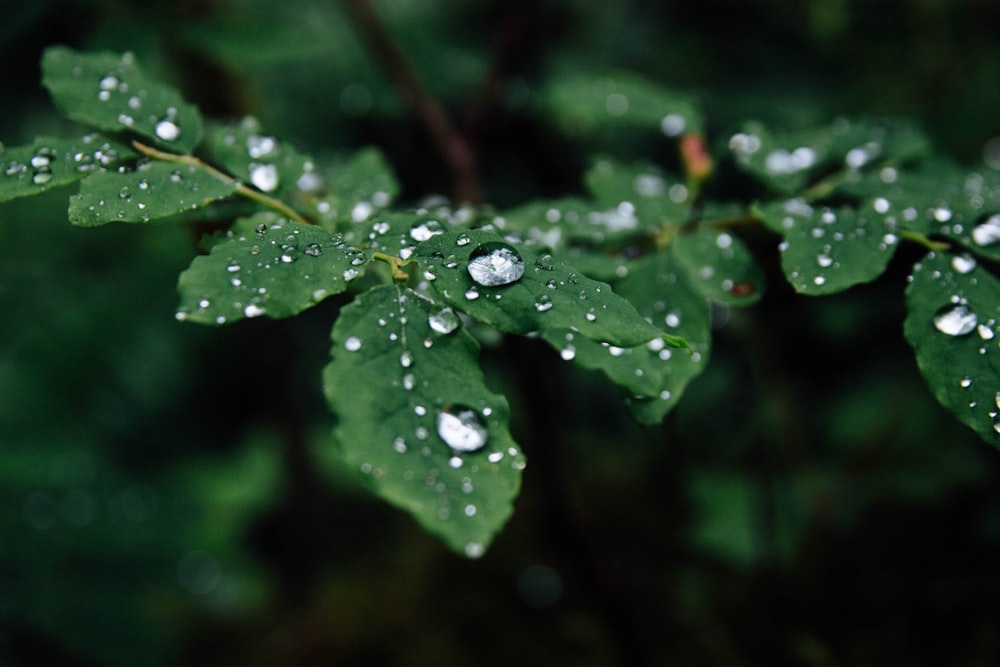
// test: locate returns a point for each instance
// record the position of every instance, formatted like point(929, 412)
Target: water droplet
point(471, 294)
point(672, 124)
point(965, 382)
point(963, 263)
point(167, 130)
point(258, 146)
point(313, 250)
point(444, 321)
point(264, 177)
point(824, 260)
point(985, 332)
point(494, 264)
point(253, 310)
point(591, 315)
point(955, 320)
point(462, 429)
point(474, 550)
point(987, 232)
point(351, 274)
point(462, 240)
point(406, 359)
point(352, 344)
point(543, 303)
point(568, 353)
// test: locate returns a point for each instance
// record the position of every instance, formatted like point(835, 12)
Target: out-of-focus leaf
point(416, 419)
point(641, 196)
point(110, 92)
point(719, 266)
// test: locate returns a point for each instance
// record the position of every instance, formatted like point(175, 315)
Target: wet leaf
point(585, 104)
point(953, 306)
point(153, 190)
point(546, 294)
point(278, 271)
point(355, 191)
point(788, 161)
point(636, 198)
point(110, 92)
point(53, 162)
point(828, 250)
point(416, 420)
point(719, 266)
point(255, 158)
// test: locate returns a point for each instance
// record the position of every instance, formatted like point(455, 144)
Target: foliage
point(631, 273)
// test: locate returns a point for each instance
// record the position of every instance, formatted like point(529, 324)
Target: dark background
point(167, 494)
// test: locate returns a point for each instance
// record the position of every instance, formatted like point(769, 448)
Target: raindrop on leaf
point(955, 320)
point(462, 428)
point(494, 264)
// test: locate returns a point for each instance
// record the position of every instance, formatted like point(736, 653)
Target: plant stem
point(241, 189)
point(451, 144)
point(923, 240)
point(396, 264)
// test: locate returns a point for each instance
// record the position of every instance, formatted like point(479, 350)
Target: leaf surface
point(953, 306)
point(547, 295)
point(279, 270)
point(51, 162)
point(401, 366)
point(110, 92)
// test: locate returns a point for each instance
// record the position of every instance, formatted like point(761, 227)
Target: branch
point(450, 143)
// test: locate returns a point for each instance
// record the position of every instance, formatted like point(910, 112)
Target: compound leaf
point(953, 306)
point(281, 269)
point(415, 418)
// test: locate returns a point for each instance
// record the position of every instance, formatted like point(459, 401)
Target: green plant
point(621, 280)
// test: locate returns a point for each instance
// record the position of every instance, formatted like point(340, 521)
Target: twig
point(452, 145)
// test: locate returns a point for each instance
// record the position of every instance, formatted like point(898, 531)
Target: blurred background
point(167, 491)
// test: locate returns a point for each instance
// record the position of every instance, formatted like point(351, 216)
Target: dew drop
point(471, 294)
point(167, 130)
point(494, 264)
point(568, 353)
point(987, 232)
point(955, 320)
point(313, 250)
point(462, 240)
point(985, 332)
point(965, 382)
point(253, 310)
point(352, 344)
point(406, 359)
point(543, 303)
point(462, 428)
point(264, 177)
point(443, 321)
point(963, 263)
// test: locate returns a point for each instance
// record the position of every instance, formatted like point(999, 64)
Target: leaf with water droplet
point(53, 162)
point(788, 161)
point(636, 199)
point(828, 250)
point(951, 323)
point(510, 306)
point(719, 265)
point(110, 92)
point(429, 438)
point(155, 190)
point(586, 104)
point(653, 374)
point(270, 165)
point(355, 191)
point(252, 274)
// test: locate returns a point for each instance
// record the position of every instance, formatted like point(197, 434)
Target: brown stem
point(453, 147)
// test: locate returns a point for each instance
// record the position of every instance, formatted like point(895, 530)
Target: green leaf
point(279, 270)
point(559, 223)
point(153, 190)
point(584, 104)
point(270, 165)
point(403, 372)
point(719, 266)
point(110, 92)
point(827, 250)
point(358, 189)
point(546, 295)
point(53, 162)
point(644, 199)
point(953, 306)
point(788, 161)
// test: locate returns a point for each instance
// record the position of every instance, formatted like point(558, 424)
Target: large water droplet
point(462, 428)
point(955, 320)
point(987, 232)
point(167, 130)
point(494, 264)
point(352, 344)
point(264, 176)
point(444, 321)
point(963, 263)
